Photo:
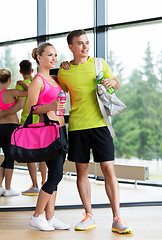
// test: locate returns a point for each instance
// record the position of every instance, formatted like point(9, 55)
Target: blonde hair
point(5, 74)
point(39, 50)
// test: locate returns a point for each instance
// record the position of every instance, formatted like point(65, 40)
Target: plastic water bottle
point(61, 97)
point(100, 78)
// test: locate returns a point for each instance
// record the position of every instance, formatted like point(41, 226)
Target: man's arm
point(14, 109)
point(110, 80)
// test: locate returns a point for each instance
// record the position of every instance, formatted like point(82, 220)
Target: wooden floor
point(146, 222)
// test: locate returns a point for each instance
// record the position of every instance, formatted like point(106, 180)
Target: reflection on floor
point(68, 194)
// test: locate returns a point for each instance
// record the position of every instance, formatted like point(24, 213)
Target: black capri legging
point(55, 172)
point(5, 141)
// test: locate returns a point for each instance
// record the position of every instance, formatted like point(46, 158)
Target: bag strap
point(98, 67)
point(29, 119)
point(99, 71)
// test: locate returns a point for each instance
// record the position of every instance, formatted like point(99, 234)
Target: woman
point(7, 124)
point(44, 91)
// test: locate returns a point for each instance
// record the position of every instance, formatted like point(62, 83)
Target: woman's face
point(48, 58)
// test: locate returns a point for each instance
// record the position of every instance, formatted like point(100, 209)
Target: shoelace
point(119, 220)
point(86, 217)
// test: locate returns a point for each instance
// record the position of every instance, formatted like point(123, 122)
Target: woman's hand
point(58, 105)
point(22, 83)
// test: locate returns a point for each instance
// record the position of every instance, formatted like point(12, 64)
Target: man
point(88, 130)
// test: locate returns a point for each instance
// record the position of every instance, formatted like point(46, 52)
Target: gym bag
point(38, 142)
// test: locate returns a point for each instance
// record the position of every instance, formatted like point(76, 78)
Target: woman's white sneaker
point(57, 224)
point(10, 192)
point(41, 223)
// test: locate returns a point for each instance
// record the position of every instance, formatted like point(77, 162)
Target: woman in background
point(7, 125)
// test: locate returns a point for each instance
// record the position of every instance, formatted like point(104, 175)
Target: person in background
point(7, 125)
point(26, 71)
point(44, 91)
point(88, 130)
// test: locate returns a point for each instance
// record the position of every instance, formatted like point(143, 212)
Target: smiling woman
point(44, 91)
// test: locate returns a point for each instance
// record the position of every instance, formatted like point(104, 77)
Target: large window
point(134, 54)
point(69, 15)
point(18, 19)
point(12, 55)
point(119, 11)
point(129, 45)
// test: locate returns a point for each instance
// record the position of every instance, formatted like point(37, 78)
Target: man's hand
point(108, 83)
point(64, 65)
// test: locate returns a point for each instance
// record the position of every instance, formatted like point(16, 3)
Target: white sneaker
point(10, 192)
point(57, 224)
point(41, 223)
point(1, 191)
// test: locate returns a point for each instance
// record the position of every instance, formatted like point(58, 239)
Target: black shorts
point(97, 139)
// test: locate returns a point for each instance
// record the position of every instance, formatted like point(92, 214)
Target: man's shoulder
point(28, 81)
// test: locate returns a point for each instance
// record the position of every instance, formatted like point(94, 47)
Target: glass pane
point(65, 16)
point(18, 19)
point(126, 10)
point(135, 57)
point(12, 55)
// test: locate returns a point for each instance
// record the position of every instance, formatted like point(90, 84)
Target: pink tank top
point(49, 92)
point(5, 106)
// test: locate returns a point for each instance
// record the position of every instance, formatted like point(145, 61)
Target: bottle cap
point(100, 75)
point(62, 94)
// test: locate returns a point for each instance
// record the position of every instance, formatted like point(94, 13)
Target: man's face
point(80, 46)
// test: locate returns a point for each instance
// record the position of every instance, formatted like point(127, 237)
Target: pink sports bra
point(49, 92)
point(5, 106)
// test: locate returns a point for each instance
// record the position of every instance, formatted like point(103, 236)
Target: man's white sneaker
point(57, 224)
point(1, 191)
point(41, 223)
point(10, 192)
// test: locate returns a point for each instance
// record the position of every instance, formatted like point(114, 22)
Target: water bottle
point(100, 78)
point(61, 97)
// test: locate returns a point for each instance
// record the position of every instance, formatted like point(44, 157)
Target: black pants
point(5, 141)
point(55, 172)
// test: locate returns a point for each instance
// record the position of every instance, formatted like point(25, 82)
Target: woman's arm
point(14, 109)
point(34, 90)
point(11, 94)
